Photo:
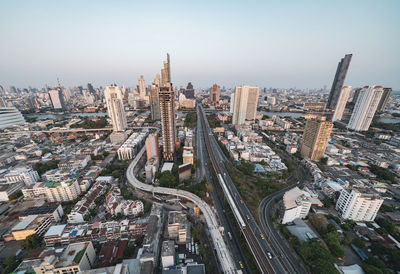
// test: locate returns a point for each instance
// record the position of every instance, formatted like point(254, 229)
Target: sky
point(280, 44)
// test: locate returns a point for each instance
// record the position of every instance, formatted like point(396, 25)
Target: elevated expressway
point(224, 257)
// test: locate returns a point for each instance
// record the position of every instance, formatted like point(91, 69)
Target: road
point(280, 245)
point(224, 256)
point(258, 246)
point(202, 155)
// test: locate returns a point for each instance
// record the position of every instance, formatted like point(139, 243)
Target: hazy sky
point(265, 43)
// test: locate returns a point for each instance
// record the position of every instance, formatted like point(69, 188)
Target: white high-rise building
point(115, 108)
point(245, 104)
point(57, 99)
point(10, 117)
point(358, 206)
point(365, 108)
point(142, 87)
point(341, 104)
point(296, 203)
point(232, 102)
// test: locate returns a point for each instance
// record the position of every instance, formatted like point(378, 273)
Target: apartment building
point(296, 203)
point(358, 204)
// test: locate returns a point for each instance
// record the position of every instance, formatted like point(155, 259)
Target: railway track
point(251, 240)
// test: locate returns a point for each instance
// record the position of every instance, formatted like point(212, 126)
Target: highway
point(258, 246)
point(203, 170)
point(280, 245)
point(224, 257)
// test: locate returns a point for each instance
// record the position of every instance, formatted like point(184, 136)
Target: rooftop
point(72, 254)
point(55, 230)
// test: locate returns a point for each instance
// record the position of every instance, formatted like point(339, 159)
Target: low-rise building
point(76, 257)
point(82, 207)
point(30, 225)
point(132, 145)
point(24, 174)
point(168, 254)
point(53, 191)
point(8, 189)
point(151, 168)
point(185, 171)
point(178, 227)
point(96, 232)
point(296, 203)
point(52, 210)
point(116, 204)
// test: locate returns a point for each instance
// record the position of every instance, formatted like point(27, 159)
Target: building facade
point(142, 87)
point(57, 99)
point(168, 128)
point(358, 205)
point(338, 81)
point(244, 104)
point(341, 104)
point(155, 102)
point(296, 203)
point(315, 138)
point(215, 94)
point(115, 108)
point(10, 117)
point(365, 108)
point(384, 99)
point(152, 146)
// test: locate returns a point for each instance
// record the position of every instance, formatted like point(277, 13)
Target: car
point(262, 236)
point(241, 201)
point(241, 264)
point(269, 255)
point(248, 218)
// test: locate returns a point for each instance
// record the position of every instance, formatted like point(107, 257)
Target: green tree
point(168, 180)
point(31, 242)
point(15, 195)
point(129, 250)
point(9, 264)
point(370, 269)
point(358, 242)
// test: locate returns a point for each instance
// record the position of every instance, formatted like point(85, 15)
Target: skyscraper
point(57, 99)
point(245, 104)
point(142, 87)
point(115, 108)
point(384, 99)
point(214, 94)
point(168, 128)
point(337, 84)
point(365, 108)
point(315, 138)
point(155, 102)
point(152, 146)
point(355, 94)
point(189, 92)
point(341, 104)
point(166, 73)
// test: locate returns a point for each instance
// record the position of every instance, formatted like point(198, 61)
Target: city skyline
point(97, 48)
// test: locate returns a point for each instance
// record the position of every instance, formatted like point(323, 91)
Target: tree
point(15, 195)
point(9, 263)
point(129, 250)
point(168, 180)
point(324, 161)
point(370, 269)
point(358, 242)
point(31, 242)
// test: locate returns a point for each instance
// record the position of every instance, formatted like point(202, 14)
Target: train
point(231, 202)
